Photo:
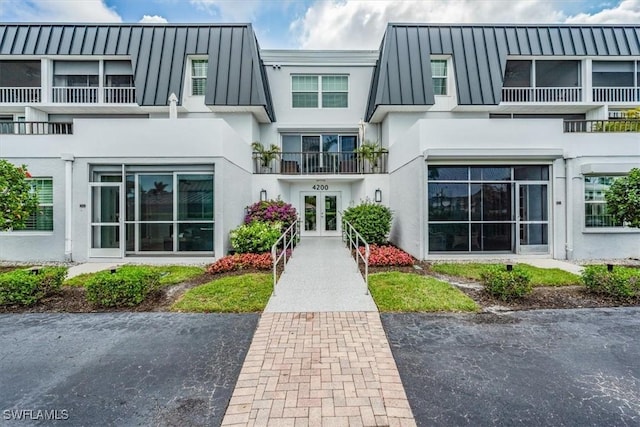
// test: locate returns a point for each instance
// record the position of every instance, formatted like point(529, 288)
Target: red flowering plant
point(240, 262)
point(381, 256)
point(271, 211)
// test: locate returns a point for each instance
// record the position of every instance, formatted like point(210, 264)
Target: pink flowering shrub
point(380, 256)
point(270, 212)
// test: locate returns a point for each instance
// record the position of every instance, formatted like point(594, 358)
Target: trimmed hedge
point(128, 286)
point(257, 237)
point(506, 285)
point(371, 220)
point(619, 283)
point(24, 287)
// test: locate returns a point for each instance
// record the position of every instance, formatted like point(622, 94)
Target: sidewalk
point(319, 356)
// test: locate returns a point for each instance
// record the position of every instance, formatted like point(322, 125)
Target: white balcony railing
point(541, 94)
point(75, 95)
point(120, 95)
point(15, 95)
point(616, 94)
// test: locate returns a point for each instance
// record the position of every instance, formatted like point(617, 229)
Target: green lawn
point(231, 294)
point(407, 292)
point(539, 276)
point(169, 274)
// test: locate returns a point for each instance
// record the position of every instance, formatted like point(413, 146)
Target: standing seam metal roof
point(479, 53)
point(158, 53)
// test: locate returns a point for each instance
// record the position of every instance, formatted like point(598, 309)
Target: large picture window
point(315, 91)
point(42, 219)
point(487, 208)
point(595, 205)
point(169, 212)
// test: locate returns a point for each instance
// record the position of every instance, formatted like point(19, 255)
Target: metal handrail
point(293, 231)
point(354, 238)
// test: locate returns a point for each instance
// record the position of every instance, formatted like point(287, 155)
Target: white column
point(68, 205)
point(46, 80)
point(101, 82)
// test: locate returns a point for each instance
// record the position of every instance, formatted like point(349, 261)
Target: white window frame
point(597, 202)
point(192, 77)
point(320, 91)
point(445, 77)
point(40, 203)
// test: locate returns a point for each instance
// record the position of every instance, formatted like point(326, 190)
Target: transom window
point(198, 76)
point(314, 91)
point(595, 205)
point(439, 76)
point(42, 219)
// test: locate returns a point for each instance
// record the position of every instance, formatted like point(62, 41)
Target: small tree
point(623, 199)
point(17, 200)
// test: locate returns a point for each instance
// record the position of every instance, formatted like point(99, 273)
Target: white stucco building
point(501, 139)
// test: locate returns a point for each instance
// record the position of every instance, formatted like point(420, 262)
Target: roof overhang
point(381, 111)
point(493, 154)
point(258, 111)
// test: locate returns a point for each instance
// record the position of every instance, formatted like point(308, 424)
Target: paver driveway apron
point(319, 355)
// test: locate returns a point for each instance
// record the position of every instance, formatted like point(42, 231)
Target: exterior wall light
point(263, 195)
point(378, 195)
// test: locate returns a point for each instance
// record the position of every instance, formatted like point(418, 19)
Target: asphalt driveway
point(120, 369)
point(538, 368)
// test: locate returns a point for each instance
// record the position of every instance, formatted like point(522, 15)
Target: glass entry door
point(532, 225)
point(320, 214)
point(105, 234)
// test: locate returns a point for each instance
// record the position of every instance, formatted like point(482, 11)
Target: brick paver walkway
point(319, 369)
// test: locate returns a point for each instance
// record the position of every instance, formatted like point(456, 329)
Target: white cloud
point(627, 11)
point(155, 19)
point(353, 24)
point(231, 11)
point(359, 24)
point(59, 10)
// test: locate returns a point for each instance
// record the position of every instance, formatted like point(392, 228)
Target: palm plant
point(266, 155)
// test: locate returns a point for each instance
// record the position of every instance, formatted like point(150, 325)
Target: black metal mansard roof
point(402, 75)
point(236, 76)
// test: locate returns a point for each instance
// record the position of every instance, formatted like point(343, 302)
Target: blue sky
point(321, 24)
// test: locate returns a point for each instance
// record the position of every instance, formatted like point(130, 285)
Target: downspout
point(68, 205)
point(569, 207)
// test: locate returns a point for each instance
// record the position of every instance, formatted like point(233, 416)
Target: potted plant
point(266, 155)
point(371, 151)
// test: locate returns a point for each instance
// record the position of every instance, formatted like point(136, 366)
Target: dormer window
point(439, 76)
point(544, 81)
point(198, 76)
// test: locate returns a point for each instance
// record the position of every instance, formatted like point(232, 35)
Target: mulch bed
point(542, 297)
point(72, 299)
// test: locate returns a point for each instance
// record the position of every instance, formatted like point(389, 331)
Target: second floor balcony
point(316, 163)
point(69, 95)
point(35, 128)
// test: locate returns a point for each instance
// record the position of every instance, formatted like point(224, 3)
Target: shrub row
point(619, 283)
point(506, 285)
point(128, 286)
point(241, 261)
point(382, 256)
point(24, 287)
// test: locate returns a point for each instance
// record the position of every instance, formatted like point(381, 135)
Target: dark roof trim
point(158, 54)
point(479, 52)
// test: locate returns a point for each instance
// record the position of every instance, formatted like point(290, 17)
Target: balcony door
point(320, 213)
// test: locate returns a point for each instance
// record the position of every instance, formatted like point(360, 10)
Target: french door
point(320, 214)
point(532, 221)
point(106, 231)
